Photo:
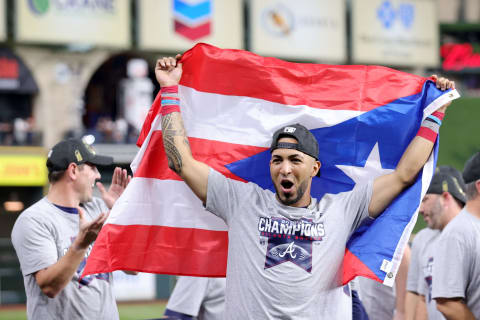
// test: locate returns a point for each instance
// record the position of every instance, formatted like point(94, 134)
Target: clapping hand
point(120, 181)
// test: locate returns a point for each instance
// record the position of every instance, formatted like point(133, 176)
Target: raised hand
point(168, 71)
point(443, 84)
point(88, 230)
point(120, 181)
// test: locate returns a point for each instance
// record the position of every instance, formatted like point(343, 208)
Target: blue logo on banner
point(387, 14)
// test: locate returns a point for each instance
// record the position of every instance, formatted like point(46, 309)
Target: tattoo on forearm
point(172, 127)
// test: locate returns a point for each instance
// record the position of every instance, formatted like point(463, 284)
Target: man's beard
point(300, 192)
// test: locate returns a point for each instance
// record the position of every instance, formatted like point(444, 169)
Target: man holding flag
point(266, 230)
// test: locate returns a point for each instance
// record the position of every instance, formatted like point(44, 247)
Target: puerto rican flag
point(232, 101)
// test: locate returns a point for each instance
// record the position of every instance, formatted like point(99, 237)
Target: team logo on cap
point(445, 186)
point(78, 155)
point(457, 185)
point(89, 148)
point(289, 129)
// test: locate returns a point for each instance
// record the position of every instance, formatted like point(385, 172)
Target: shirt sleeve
point(188, 295)
point(34, 244)
point(356, 203)
point(450, 268)
point(225, 195)
point(414, 270)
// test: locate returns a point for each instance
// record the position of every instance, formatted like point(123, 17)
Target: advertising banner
point(301, 29)
point(17, 170)
point(105, 22)
point(15, 77)
point(395, 32)
point(178, 25)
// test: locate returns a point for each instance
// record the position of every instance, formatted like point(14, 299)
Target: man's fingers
point(124, 178)
point(117, 176)
point(443, 84)
point(114, 176)
point(168, 63)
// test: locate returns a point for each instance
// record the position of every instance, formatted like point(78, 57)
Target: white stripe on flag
point(245, 120)
point(171, 203)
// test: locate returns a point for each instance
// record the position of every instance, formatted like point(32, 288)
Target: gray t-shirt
point(420, 270)
point(377, 298)
point(456, 271)
point(203, 298)
point(285, 262)
point(427, 262)
point(419, 247)
point(41, 235)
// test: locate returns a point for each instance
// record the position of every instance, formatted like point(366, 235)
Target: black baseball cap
point(448, 179)
point(471, 171)
point(306, 142)
point(76, 151)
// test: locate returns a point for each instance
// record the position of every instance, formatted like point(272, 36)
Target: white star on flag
point(371, 170)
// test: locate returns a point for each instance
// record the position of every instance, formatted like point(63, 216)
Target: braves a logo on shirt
point(290, 240)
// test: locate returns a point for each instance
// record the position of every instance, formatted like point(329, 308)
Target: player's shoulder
point(336, 200)
point(460, 227)
point(37, 215)
point(37, 210)
point(425, 235)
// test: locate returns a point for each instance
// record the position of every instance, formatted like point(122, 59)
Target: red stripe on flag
point(159, 249)
point(352, 267)
point(318, 86)
point(154, 163)
point(147, 124)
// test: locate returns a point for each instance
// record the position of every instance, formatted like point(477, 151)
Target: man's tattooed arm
point(168, 72)
point(175, 141)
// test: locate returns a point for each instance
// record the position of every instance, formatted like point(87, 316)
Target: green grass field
point(128, 311)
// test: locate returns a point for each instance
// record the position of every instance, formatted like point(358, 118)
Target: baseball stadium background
point(85, 69)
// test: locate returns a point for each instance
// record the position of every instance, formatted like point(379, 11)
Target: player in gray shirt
point(197, 298)
point(444, 199)
point(54, 237)
point(383, 302)
point(456, 272)
point(285, 249)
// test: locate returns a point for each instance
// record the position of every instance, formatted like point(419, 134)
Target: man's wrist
point(430, 127)
point(168, 84)
point(78, 246)
point(170, 100)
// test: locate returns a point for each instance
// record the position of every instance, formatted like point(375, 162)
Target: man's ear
point(72, 170)
point(316, 167)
